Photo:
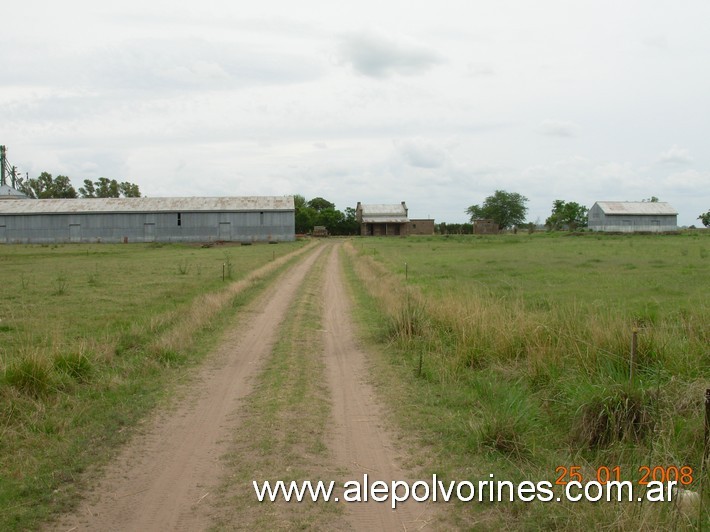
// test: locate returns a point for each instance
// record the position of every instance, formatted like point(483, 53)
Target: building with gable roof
point(632, 217)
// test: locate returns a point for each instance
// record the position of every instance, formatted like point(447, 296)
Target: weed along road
point(174, 474)
point(164, 478)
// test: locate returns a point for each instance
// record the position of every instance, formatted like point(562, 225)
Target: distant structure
point(228, 219)
point(382, 220)
point(421, 226)
point(7, 192)
point(320, 231)
point(632, 217)
point(485, 227)
point(7, 172)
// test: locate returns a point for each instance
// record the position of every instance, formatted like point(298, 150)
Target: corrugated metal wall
point(598, 220)
point(257, 226)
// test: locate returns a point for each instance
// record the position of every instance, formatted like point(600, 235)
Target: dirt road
point(361, 442)
point(166, 478)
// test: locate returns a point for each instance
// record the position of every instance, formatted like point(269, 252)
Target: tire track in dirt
point(361, 442)
point(162, 480)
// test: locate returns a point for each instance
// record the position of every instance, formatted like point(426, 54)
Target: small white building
point(632, 217)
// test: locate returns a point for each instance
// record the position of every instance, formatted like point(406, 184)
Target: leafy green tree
point(444, 228)
point(570, 214)
point(299, 201)
point(320, 211)
point(129, 190)
point(349, 224)
point(305, 220)
point(109, 188)
point(504, 208)
point(320, 204)
point(331, 218)
point(88, 190)
point(705, 218)
point(45, 187)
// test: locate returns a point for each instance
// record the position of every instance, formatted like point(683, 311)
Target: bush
point(30, 375)
point(618, 414)
point(75, 365)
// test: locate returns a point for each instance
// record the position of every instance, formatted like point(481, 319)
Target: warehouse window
point(179, 218)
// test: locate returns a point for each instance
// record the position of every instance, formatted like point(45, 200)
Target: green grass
point(284, 427)
point(92, 337)
point(512, 357)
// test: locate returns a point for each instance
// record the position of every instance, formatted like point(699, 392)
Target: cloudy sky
point(435, 103)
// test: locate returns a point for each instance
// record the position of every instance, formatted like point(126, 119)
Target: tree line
point(508, 210)
point(47, 187)
point(321, 212)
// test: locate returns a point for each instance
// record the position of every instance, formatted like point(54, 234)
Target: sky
point(438, 104)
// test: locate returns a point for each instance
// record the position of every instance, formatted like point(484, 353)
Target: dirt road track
point(163, 479)
point(361, 441)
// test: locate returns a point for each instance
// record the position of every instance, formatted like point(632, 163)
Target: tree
point(45, 186)
point(109, 188)
point(129, 190)
point(652, 199)
point(571, 214)
point(320, 204)
point(319, 211)
point(88, 190)
point(705, 218)
point(504, 208)
point(349, 224)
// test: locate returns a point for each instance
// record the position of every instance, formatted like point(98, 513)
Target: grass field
point(91, 337)
point(505, 355)
point(510, 355)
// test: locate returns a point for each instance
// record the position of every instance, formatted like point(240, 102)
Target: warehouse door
point(225, 231)
point(74, 233)
point(148, 232)
point(3, 234)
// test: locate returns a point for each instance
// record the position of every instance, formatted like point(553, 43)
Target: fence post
point(706, 444)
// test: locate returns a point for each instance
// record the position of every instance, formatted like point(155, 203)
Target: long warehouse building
point(230, 219)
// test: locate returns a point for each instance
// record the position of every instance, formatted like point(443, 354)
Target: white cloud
point(558, 128)
point(689, 181)
point(376, 56)
point(254, 98)
point(420, 153)
point(675, 155)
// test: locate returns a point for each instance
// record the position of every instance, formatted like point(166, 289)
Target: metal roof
point(396, 209)
point(637, 207)
point(7, 191)
point(385, 219)
point(134, 205)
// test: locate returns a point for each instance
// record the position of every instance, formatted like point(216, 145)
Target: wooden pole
point(705, 456)
point(707, 424)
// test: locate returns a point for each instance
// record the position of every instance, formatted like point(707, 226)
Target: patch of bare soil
point(164, 479)
point(361, 442)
